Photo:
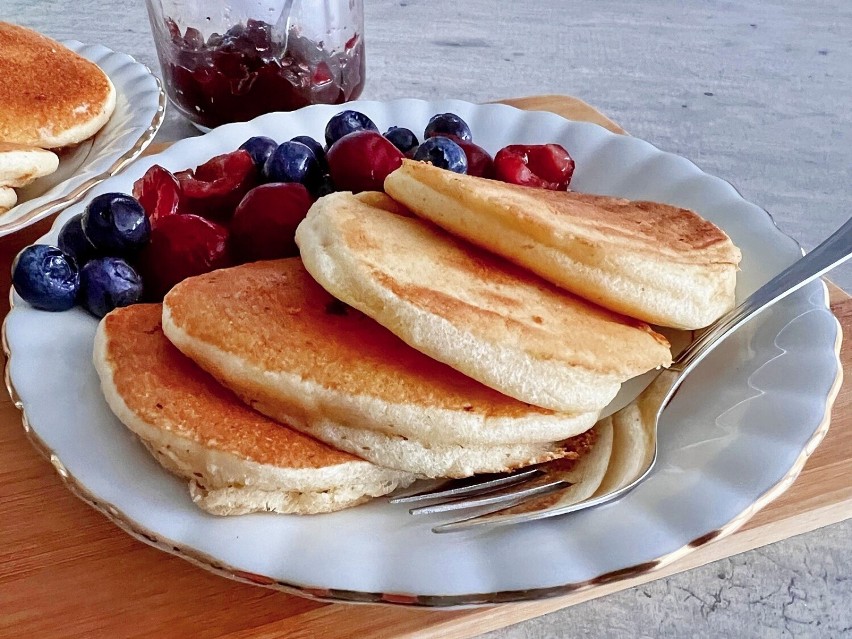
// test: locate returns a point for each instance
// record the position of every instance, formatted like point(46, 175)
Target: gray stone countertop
point(758, 93)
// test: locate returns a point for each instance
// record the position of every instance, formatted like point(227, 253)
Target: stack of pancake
point(50, 98)
point(413, 352)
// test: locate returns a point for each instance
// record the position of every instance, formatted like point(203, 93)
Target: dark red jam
point(249, 71)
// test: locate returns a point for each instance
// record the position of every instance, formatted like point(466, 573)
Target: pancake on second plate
point(50, 97)
point(481, 315)
point(20, 165)
point(235, 459)
point(269, 332)
point(8, 198)
point(658, 263)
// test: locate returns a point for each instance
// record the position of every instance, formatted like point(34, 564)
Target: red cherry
point(264, 224)
point(479, 162)
point(181, 246)
point(361, 161)
point(158, 191)
point(546, 166)
point(215, 188)
point(511, 168)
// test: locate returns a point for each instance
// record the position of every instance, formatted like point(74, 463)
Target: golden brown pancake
point(483, 316)
point(236, 459)
point(269, 332)
point(279, 318)
point(49, 96)
point(20, 165)
point(659, 263)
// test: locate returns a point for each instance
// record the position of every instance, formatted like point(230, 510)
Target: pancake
point(20, 165)
point(50, 97)
point(484, 317)
point(235, 460)
point(407, 454)
point(289, 343)
point(658, 263)
point(8, 198)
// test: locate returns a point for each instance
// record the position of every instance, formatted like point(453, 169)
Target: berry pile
point(245, 206)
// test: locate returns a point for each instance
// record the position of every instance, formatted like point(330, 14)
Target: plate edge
point(62, 203)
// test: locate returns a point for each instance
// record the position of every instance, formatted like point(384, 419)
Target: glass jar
point(230, 61)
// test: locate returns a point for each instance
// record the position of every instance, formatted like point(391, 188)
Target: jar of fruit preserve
point(232, 60)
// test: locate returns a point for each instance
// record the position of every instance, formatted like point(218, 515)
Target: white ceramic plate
point(734, 438)
point(139, 110)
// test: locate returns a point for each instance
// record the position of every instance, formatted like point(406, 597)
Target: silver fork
point(508, 491)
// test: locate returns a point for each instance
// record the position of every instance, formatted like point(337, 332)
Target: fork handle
point(835, 250)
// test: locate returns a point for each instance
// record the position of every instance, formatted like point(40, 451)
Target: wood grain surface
point(66, 571)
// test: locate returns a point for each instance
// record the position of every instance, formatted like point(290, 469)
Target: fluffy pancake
point(8, 198)
point(272, 334)
point(420, 458)
point(235, 459)
point(20, 165)
point(655, 262)
point(485, 317)
point(49, 96)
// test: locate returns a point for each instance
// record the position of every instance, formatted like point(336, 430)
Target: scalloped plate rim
point(75, 187)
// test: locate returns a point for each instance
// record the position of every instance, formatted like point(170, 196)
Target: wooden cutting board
point(66, 571)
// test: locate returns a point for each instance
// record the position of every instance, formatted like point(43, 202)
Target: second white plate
point(139, 111)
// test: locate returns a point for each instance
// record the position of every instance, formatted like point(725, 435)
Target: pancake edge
point(677, 295)
point(231, 485)
point(440, 426)
point(562, 387)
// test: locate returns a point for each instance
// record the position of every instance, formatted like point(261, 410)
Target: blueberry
point(448, 124)
point(259, 148)
point(74, 242)
point(443, 153)
point(316, 147)
point(46, 277)
point(293, 162)
point(107, 283)
point(402, 138)
point(116, 224)
point(347, 122)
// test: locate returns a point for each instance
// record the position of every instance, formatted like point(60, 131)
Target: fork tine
point(476, 488)
point(461, 524)
point(505, 515)
point(513, 494)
